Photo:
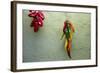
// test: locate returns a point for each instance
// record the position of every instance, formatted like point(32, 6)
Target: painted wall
point(46, 44)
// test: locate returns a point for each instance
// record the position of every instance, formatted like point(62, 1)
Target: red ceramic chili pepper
point(41, 15)
point(36, 27)
point(40, 22)
point(64, 28)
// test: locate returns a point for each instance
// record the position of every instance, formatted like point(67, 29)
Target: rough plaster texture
point(45, 45)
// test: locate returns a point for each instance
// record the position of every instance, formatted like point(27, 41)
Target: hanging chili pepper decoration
point(68, 30)
point(37, 20)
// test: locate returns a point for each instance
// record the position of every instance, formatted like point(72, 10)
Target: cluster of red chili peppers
point(37, 20)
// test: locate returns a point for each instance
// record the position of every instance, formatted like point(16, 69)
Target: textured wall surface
point(45, 45)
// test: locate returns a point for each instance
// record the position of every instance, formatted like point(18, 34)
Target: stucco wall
point(45, 45)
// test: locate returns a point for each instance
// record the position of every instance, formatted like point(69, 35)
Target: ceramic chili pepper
point(36, 27)
point(41, 15)
point(68, 30)
point(38, 18)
